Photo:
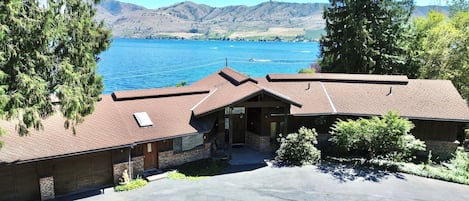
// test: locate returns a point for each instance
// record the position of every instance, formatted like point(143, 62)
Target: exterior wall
point(257, 142)
point(137, 166)
point(118, 169)
point(19, 182)
point(170, 159)
point(441, 149)
point(46, 185)
point(435, 130)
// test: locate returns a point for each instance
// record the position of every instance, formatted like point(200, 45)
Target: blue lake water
point(141, 64)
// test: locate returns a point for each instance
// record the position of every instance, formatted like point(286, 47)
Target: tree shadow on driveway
point(347, 172)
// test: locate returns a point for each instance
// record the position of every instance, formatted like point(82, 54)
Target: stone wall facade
point(118, 169)
point(46, 186)
point(170, 159)
point(259, 143)
point(441, 149)
point(137, 166)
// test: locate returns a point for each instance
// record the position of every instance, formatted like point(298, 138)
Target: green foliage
point(181, 84)
point(366, 37)
point(456, 6)
point(307, 70)
point(441, 47)
point(134, 184)
point(49, 50)
point(457, 170)
point(386, 137)
point(298, 148)
point(199, 169)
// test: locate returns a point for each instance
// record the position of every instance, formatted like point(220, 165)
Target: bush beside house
point(299, 148)
point(387, 137)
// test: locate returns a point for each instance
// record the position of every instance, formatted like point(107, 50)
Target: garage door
point(19, 182)
point(82, 173)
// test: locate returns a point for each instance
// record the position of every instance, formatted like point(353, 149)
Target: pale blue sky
point(220, 3)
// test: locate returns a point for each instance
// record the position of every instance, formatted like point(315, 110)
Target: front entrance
point(239, 128)
point(151, 156)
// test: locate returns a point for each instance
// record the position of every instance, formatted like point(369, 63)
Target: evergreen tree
point(366, 37)
point(48, 50)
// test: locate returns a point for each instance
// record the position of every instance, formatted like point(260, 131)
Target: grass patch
point(134, 184)
point(177, 175)
point(455, 170)
point(198, 169)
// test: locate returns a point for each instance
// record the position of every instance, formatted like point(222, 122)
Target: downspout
point(130, 170)
point(230, 133)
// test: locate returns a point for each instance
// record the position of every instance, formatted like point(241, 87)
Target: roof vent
point(309, 87)
point(390, 92)
point(143, 119)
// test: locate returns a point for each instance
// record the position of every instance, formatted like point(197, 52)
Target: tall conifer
point(48, 50)
point(366, 37)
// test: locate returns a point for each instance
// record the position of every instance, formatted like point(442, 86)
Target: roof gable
point(235, 77)
point(223, 96)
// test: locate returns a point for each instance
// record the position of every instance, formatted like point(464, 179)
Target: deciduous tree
point(441, 48)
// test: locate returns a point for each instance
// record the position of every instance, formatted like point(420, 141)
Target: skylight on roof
point(143, 119)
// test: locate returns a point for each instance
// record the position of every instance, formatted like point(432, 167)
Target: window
point(273, 129)
point(149, 147)
point(187, 142)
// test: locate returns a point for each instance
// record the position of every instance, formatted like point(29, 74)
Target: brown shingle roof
point(103, 129)
point(339, 77)
point(235, 77)
point(172, 110)
point(161, 92)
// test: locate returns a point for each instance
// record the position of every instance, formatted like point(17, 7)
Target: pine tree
point(48, 49)
point(366, 37)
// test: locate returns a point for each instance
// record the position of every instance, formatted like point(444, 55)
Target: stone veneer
point(46, 186)
point(441, 149)
point(257, 142)
point(170, 159)
point(118, 169)
point(137, 166)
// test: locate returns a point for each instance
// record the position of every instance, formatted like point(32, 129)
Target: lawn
point(198, 169)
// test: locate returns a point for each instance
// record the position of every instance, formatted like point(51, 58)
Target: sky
point(152, 4)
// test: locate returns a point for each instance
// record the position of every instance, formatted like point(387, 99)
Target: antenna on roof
point(390, 92)
point(226, 62)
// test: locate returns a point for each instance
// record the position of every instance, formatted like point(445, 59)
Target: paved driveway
point(324, 182)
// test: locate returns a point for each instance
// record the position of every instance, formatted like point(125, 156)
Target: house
point(142, 130)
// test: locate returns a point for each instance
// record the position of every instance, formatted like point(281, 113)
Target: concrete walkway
point(323, 182)
point(247, 156)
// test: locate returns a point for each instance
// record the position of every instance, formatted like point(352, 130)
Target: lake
point(140, 63)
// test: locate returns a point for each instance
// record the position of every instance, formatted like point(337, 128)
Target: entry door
point(151, 156)
point(239, 128)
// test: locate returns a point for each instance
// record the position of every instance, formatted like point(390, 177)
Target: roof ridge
point(158, 93)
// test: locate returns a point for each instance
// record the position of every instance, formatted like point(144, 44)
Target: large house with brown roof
point(158, 128)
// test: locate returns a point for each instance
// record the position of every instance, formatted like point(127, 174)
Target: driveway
point(324, 182)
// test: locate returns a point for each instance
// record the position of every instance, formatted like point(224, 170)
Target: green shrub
point(307, 70)
point(298, 148)
point(387, 137)
point(134, 184)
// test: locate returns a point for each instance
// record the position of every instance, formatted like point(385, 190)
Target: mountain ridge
point(266, 21)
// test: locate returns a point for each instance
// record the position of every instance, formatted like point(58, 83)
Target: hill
point(268, 20)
